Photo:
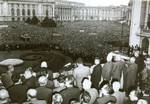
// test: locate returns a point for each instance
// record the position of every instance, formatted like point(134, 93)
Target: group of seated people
point(114, 82)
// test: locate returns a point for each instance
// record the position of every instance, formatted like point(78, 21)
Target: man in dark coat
point(107, 69)
point(44, 93)
point(96, 74)
point(17, 92)
point(118, 68)
point(70, 93)
point(140, 63)
point(130, 74)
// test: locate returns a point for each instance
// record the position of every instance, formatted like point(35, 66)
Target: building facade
point(140, 24)
point(19, 10)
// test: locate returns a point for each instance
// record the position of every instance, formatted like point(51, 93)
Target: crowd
point(91, 42)
point(117, 81)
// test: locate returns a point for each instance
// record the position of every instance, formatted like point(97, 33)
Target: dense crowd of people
point(117, 81)
point(90, 42)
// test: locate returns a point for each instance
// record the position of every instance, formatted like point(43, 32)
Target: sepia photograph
point(74, 51)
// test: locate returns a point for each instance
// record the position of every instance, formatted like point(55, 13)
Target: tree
point(48, 22)
point(28, 20)
point(34, 20)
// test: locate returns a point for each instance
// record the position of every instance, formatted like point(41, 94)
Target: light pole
point(122, 24)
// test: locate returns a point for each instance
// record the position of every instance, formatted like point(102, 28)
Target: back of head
point(42, 80)
point(97, 61)
point(116, 86)
point(11, 68)
point(57, 98)
point(4, 94)
point(44, 64)
point(32, 93)
point(141, 101)
point(132, 60)
point(86, 84)
point(27, 74)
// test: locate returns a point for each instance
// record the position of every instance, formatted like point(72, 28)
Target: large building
point(140, 24)
point(19, 10)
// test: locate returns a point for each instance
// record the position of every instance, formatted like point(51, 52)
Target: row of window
point(18, 11)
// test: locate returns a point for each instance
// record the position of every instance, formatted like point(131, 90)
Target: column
point(40, 10)
point(135, 23)
point(149, 47)
point(5, 10)
point(53, 10)
point(146, 14)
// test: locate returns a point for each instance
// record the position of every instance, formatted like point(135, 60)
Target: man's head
point(43, 81)
point(133, 94)
point(86, 83)
point(27, 74)
point(86, 97)
point(105, 88)
point(79, 61)
point(97, 61)
point(57, 99)
point(4, 96)
point(132, 60)
point(136, 53)
point(116, 86)
point(31, 93)
point(10, 68)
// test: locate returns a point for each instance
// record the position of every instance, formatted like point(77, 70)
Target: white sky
point(103, 2)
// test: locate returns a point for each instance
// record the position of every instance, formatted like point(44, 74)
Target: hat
point(147, 61)
point(44, 64)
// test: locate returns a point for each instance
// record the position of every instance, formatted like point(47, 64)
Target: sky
point(103, 2)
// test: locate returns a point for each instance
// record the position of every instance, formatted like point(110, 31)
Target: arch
point(12, 12)
point(145, 44)
point(18, 12)
point(23, 12)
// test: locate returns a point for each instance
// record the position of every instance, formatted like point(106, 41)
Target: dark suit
point(44, 93)
point(117, 70)
point(130, 76)
point(69, 94)
point(31, 82)
point(105, 100)
point(18, 93)
point(96, 76)
point(106, 71)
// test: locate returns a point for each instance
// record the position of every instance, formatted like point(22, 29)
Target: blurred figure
point(130, 76)
point(4, 97)
point(105, 94)
point(120, 96)
point(140, 65)
point(118, 68)
point(57, 99)
point(89, 94)
point(31, 98)
point(6, 77)
point(29, 80)
point(80, 72)
point(17, 92)
point(44, 71)
point(107, 68)
point(44, 93)
point(96, 73)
